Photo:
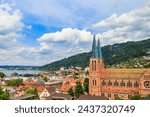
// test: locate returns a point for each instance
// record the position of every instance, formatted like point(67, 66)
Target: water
point(9, 72)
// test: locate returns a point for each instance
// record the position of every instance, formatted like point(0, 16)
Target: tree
point(2, 75)
point(118, 98)
point(136, 97)
point(86, 85)
point(15, 82)
point(87, 72)
point(4, 95)
point(31, 91)
point(78, 90)
point(70, 92)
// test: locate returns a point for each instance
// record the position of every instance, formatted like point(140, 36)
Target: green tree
point(4, 95)
point(15, 82)
point(70, 92)
point(78, 90)
point(118, 98)
point(87, 72)
point(135, 97)
point(32, 91)
point(2, 75)
point(86, 85)
point(29, 91)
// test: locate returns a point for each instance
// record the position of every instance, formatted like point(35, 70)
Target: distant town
point(63, 84)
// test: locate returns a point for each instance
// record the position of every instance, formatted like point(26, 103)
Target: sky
point(38, 32)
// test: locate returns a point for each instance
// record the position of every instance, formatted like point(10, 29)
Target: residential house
point(47, 92)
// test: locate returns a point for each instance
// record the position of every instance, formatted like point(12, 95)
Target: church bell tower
point(95, 67)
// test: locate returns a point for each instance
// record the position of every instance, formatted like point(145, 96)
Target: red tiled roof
point(40, 88)
point(29, 82)
point(65, 87)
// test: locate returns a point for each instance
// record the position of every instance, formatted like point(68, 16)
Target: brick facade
point(116, 82)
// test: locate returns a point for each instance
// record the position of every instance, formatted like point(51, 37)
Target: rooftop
point(89, 97)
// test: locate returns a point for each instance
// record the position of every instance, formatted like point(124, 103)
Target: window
point(116, 83)
point(102, 94)
point(129, 84)
point(94, 65)
point(115, 95)
point(122, 84)
point(109, 94)
point(129, 96)
point(136, 84)
point(109, 83)
point(94, 82)
point(103, 83)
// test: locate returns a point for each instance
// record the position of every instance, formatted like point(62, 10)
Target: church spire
point(94, 48)
point(99, 49)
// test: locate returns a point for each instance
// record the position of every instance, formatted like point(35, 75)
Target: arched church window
point(103, 83)
point(136, 84)
point(102, 94)
point(109, 83)
point(129, 84)
point(122, 84)
point(95, 66)
point(116, 83)
point(92, 66)
point(94, 82)
point(109, 94)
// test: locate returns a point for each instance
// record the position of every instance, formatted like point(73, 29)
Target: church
point(113, 82)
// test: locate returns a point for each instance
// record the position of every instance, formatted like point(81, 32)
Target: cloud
point(69, 35)
point(71, 13)
point(11, 26)
point(130, 26)
point(65, 43)
point(10, 19)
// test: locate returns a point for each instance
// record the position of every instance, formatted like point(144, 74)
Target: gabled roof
point(58, 96)
point(51, 89)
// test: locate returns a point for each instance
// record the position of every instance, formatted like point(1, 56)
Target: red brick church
point(111, 82)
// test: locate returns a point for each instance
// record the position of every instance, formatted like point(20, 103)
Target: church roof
point(123, 73)
point(96, 48)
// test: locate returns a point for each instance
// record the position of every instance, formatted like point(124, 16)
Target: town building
point(111, 82)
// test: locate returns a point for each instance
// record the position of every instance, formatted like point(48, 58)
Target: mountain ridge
point(112, 54)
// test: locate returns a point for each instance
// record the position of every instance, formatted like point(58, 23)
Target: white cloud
point(64, 43)
point(10, 27)
point(10, 19)
point(69, 35)
point(133, 25)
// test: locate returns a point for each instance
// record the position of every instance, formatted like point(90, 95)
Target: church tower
point(95, 67)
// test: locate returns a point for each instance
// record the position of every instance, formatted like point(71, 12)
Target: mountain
point(130, 54)
point(19, 67)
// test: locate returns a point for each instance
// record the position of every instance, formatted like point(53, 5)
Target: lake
point(9, 72)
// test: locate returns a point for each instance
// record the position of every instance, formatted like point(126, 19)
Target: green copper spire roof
point(96, 49)
point(99, 49)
